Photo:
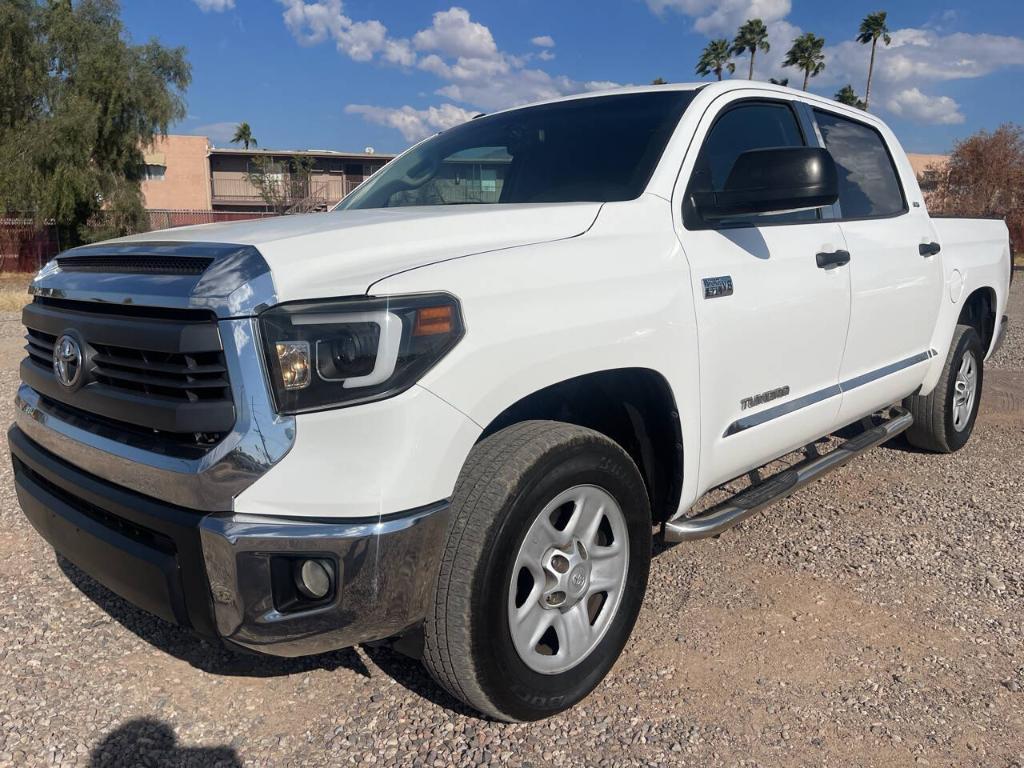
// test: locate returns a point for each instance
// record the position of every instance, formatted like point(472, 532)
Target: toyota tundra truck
point(451, 414)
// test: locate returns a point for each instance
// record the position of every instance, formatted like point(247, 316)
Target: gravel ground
point(874, 618)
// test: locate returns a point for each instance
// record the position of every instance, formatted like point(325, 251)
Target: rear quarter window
point(869, 186)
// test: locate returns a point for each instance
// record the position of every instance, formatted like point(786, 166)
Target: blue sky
point(346, 74)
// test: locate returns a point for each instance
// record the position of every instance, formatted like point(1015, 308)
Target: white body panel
point(321, 255)
point(551, 292)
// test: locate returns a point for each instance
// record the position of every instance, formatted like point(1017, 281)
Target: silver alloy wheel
point(568, 579)
point(965, 390)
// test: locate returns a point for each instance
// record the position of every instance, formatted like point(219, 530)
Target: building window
point(154, 172)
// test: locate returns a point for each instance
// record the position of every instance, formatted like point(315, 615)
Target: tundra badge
point(764, 397)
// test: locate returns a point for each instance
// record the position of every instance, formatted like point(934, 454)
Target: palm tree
point(871, 29)
point(752, 37)
point(243, 135)
point(846, 95)
point(715, 58)
point(806, 54)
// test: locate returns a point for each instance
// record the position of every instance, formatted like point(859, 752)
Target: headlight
point(325, 354)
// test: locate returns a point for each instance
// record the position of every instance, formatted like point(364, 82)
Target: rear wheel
point(944, 419)
point(543, 571)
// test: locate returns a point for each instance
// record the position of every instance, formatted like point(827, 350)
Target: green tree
point(243, 135)
point(752, 37)
point(872, 29)
point(783, 81)
point(715, 58)
point(78, 103)
point(659, 81)
point(283, 184)
point(846, 95)
point(807, 55)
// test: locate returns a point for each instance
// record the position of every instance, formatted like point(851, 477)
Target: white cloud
point(913, 104)
point(312, 23)
point(414, 124)
point(723, 17)
point(924, 55)
point(217, 6)
point(460, 52)
point(217, 132)
point(454, 34)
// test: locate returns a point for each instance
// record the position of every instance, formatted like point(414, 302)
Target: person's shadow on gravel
point(152, 743)
point(184, 645)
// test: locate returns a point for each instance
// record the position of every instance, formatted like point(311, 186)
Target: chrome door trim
point(762, 417)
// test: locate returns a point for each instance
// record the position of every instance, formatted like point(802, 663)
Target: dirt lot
point(873, 619)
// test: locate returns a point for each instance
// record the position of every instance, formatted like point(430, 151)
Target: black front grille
point(162, 370)
point(136, 264)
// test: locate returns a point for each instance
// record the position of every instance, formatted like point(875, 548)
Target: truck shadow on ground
point(150, 742)
point(201, 654)
point(216, 660)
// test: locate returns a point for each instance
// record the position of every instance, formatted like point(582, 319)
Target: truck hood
point(343, 253)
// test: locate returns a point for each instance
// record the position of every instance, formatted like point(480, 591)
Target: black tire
point(507, 480)
point(934, 428)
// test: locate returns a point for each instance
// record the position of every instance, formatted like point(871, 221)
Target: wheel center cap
point(567, 575)
point(578, 579)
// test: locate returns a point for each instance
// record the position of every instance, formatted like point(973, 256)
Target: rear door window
point(869, 186)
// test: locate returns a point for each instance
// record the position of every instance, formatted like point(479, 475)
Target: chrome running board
point(757, 497)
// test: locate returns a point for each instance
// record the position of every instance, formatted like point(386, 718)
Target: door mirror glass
point(771, 181)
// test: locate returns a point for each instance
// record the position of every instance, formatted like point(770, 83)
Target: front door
point(771, 347)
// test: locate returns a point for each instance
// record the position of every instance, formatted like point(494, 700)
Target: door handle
point(832, 259)
point(929, 249)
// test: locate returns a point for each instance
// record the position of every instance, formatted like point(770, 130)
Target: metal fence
point(26, 246)
point(168, 218)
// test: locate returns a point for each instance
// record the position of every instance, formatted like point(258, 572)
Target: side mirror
point(776, 180)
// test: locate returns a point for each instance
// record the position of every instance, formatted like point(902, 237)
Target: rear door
point(895, 273)
point(771, 323)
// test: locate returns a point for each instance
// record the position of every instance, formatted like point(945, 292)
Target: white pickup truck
point(451, 414)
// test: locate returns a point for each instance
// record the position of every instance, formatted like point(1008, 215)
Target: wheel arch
point(979, 312)
point(635, 407)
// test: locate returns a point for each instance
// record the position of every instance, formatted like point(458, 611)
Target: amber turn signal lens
point(431, 321)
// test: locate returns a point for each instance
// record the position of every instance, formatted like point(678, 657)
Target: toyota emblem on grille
point(67, 360)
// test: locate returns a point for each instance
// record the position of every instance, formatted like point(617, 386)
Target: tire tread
point(488, 480)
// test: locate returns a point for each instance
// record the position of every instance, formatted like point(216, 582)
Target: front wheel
point(944, 419)
point(543, 572)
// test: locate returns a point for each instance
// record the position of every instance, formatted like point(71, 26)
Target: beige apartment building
point(188, 173)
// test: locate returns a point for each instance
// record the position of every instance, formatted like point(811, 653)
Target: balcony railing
point(329, 191)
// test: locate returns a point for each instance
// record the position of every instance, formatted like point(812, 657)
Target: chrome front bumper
point(212, 572)
point(385, 570)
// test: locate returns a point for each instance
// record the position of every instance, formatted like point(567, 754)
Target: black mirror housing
point(774, 180)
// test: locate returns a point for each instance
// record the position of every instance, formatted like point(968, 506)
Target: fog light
point(314, 578)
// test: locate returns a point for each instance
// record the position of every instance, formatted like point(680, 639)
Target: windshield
point(599, 149)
